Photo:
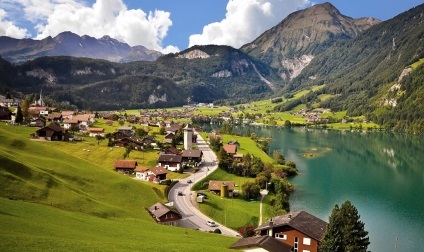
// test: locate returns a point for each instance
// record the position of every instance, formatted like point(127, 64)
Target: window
point(296, 244)
point(306, 241)
point(281, 236)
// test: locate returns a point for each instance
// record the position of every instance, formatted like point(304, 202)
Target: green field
point(67, 201)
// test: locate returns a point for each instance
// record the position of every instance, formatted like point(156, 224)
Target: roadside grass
point(176, 175)
point(247, 145)
point(28, 227)
point(220, 174)
point(233, 213)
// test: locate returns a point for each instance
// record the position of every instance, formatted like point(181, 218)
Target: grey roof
point(266, 242)
point(192, 153)
point(172, 158)
point(300, 220)
point(159, 210)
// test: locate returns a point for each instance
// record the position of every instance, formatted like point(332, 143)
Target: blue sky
point(170, 25)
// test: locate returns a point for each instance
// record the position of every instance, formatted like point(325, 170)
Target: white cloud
point(245, 20)
point(8, 28)
point(104, 17)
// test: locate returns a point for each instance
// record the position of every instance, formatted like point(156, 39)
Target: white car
point(211, 223)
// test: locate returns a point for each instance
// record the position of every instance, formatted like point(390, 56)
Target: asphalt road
point(192, 217)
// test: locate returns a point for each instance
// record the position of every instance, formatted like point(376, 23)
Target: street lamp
point(266, 185)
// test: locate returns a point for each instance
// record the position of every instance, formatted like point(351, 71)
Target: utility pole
point(396, 244)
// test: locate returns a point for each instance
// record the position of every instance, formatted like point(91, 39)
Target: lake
point(381, 173)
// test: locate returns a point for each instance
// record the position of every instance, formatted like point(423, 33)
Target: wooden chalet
point(5, 114)
point(164, 215)
point(38, 122)
point(52, 132)
point(192, 156)
point(171, 162)
point(155, 174)
point(230, 149)
point(125, 166)
point(96, 131)
point(298, 229)
point(215, 186)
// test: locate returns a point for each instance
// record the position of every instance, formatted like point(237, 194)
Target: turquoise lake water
point(382, 174)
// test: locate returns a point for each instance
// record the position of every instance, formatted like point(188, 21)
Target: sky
point(171, 25)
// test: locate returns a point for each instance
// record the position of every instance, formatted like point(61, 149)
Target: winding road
point(192, 217)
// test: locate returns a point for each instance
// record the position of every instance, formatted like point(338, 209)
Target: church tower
point(188, 137)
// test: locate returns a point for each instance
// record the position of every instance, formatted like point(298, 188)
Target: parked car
point(202, 195)
point(211, 223)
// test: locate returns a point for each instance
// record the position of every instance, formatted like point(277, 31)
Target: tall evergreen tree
point(332, 241)
point(354, 235)
point(345, 232)
point(19, 116)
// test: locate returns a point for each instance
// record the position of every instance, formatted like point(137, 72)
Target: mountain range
point(70, 44)
point(357, 62)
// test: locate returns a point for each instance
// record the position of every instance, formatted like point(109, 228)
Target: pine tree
point(355, 237)
point(345, 232)
point(19, 116)
point(332, 240)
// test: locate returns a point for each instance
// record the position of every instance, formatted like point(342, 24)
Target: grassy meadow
point(63, 200)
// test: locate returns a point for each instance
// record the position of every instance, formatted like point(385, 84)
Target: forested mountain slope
point(358, 73)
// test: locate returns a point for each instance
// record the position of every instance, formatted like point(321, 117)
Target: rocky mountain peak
point(304, 32)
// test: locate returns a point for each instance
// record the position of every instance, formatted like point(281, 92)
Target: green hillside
point(69, 203)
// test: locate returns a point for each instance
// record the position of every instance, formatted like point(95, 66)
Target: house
point(38, 122)
point(171, 150)
point(84, 120)
point(136, 143)
point(234, 142)
point(125, 166)
point(168, 137)
point(215, 186)
point(69, 123)
point(5, 114)
point(54, 117)
point(261, 243)
point(164, 215)
point(126, 130)
point(108, 116)
point(173, 128)
point(117, 135)
point(96, 131)
point(171, 162)
point(141, 173)
point(192, 156)
point(230, 149)
point(299, 229)
point(52, 132)
point(154, 174)
point(67, 114)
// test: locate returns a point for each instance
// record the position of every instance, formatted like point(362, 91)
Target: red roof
point(230, 149)
point(96, 130)
point(159, 170)
point(140, 169)
point(125, 164)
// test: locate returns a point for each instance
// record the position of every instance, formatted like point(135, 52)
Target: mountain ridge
point(290, 45)
point(71, 44)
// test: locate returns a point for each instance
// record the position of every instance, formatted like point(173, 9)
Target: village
point(176, 140)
